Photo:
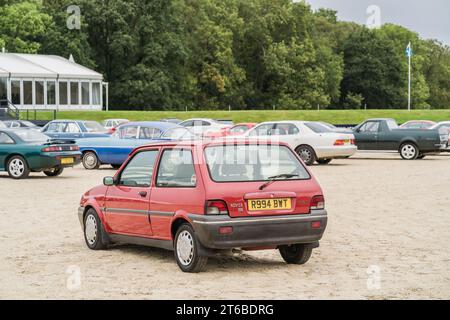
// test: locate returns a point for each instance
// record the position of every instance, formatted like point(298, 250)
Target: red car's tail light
point(74, 148)
point(216, 207)
point(317, 203)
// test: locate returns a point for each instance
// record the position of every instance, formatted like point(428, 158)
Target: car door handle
point(143, 194)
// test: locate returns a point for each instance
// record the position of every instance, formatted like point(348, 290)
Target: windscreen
point(317, 127)
point(246, 163)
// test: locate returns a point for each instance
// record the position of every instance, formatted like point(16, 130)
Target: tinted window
point(187, 124)
point(5, 139)
point(139, 171)
point(317, 127)
point(244, 163)
point(176, 169)
point(284, 129)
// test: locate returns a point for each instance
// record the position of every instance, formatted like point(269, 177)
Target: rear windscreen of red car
point(246, 163)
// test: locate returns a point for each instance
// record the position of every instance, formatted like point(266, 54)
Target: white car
point(112, 124)
point(444, 128)
point(202, 126)
point(311, 140)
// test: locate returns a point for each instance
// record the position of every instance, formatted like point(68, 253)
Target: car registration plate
point(67, 161)
point(269, 204)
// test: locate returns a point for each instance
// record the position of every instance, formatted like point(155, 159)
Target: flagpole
point(409, 78)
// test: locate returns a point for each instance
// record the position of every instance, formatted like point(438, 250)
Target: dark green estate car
point(24, 151)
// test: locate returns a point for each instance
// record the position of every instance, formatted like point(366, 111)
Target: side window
point(72, 128)
point(206, 124)
point(285, 130)
point(176, 170)
point(370, 127)
point(5, 139)
point(149, 133)
point(139, 171)
point(188, 124)
point(263, 130)
point(128, 133)
point(52, 127)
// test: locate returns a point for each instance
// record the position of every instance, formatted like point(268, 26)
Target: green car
point(23, 151)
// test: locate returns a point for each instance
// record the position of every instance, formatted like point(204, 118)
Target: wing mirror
point(109, 181)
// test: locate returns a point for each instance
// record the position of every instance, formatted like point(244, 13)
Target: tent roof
point(43, 66)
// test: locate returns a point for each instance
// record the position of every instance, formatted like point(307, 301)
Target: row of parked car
point(64, 143)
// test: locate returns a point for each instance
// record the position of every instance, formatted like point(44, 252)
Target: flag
point(409, 51)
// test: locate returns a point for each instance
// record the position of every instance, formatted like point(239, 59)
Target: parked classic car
point(444, 128)
point(23, 151)
point(114, 150)
point(74, 129)
point(248, 194)
point(418, 124)
point(112, 124)
point(312, 141)
point(15, 124)
point(385, 135)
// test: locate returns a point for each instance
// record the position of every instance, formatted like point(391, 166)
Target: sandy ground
point(388, 238)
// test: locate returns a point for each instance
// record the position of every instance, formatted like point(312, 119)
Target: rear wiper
point(277, 178)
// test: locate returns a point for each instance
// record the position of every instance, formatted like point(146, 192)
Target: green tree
point(22, 25)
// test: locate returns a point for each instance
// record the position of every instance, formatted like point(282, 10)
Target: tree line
point(243, 54)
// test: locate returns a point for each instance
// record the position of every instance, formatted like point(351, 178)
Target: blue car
point(114, 150)
point(74, 129)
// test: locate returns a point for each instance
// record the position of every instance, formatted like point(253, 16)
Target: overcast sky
point(431, 18)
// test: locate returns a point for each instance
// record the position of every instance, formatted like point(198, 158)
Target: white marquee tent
point(31, 81)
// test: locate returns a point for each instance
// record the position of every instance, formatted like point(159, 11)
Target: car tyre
point(307, 154)
point(93, 231)
point(421, 157)
point(296, 253)
point(324, 161)
point(186, 250)
point(409, 151)
point(18, 168)
point(90, 161)
point(55, 172)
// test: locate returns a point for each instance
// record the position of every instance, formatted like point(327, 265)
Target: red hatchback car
point(202, 198)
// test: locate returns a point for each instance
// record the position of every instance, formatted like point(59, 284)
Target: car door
point(177, 187)
point(367, 135)
point(127, 204)
point(7, 146)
